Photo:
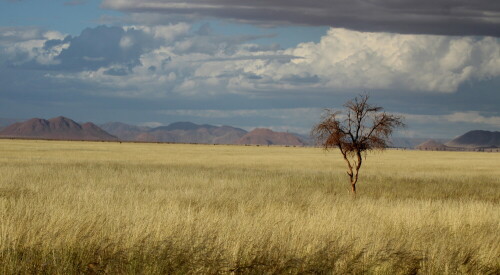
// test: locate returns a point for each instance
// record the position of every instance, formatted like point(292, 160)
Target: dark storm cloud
point(92, 49)
point(99, 47)
point(446, 17)
point(105, 46)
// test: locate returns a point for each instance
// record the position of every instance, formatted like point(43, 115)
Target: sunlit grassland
point(96, 207)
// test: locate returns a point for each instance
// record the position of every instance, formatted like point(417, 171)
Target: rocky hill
point(188, 132)
point(178, 132)
point(476, 139)
point(262, 136)
point(60, 128)
point(124, 131)
point(432, 145)
point(4, 122)
point(407, 142)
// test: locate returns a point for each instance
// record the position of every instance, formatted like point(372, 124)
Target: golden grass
point(92, 207)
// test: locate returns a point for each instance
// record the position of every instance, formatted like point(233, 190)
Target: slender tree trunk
point(352, 180)
point(354, 177)
point(350, 172)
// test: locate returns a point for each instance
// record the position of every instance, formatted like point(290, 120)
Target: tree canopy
point(360, 128)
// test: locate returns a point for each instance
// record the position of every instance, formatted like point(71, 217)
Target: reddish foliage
point(363, 127)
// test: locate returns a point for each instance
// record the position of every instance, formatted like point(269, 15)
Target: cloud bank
point(443, 17)
point(158, 61)
point(349, 59)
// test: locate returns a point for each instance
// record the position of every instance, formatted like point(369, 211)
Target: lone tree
point(362, 128)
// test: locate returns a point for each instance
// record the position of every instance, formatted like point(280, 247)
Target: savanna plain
point(137, 208)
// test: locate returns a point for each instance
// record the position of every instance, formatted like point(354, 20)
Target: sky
point(262, 63)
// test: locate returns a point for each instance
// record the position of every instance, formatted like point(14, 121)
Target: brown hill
point(4, 122)
point(410, 142)
point(431, 145)
point(56, 128)
point(476, 139)
point(188, 132)
point(262, 136)
point(178, 132)
point(124, 131)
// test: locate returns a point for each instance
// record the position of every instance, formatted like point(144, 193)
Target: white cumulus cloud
point(162, 60)
point(351, 59)
point(24, 44)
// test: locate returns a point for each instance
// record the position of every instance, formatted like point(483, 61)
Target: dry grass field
point(131, 208)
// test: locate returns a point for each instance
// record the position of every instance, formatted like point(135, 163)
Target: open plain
point(139, 208)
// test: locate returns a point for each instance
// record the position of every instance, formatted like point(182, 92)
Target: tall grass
point(90, 207)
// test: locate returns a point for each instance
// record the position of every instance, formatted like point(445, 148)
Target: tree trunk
point(353, 174)
point(354, 179)
point(351, 180)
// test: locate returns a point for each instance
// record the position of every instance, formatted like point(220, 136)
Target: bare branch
point(366, 128)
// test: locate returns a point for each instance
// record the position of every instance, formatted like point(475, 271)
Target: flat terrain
point(99, 207)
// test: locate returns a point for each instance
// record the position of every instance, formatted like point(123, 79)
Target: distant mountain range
point(407, 142)
point(264, 136)
point(472, 140)
point(431, 145)
point(62, 128)
point(188, 132)
point(4, 122)
point(56, 128)
point(476, 139)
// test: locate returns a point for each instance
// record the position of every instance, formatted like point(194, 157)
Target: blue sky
point(249, 64)
point(69, 17)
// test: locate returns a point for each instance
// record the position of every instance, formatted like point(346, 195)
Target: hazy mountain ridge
point(124, 131)
point(4, 122)
point(188, 132)
point(408, 142)
point(476, 139)
point(183, 126)
point(60, 128)
point(263, 136)
point(431, 145)
point(63, 128)
point(178, 132)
